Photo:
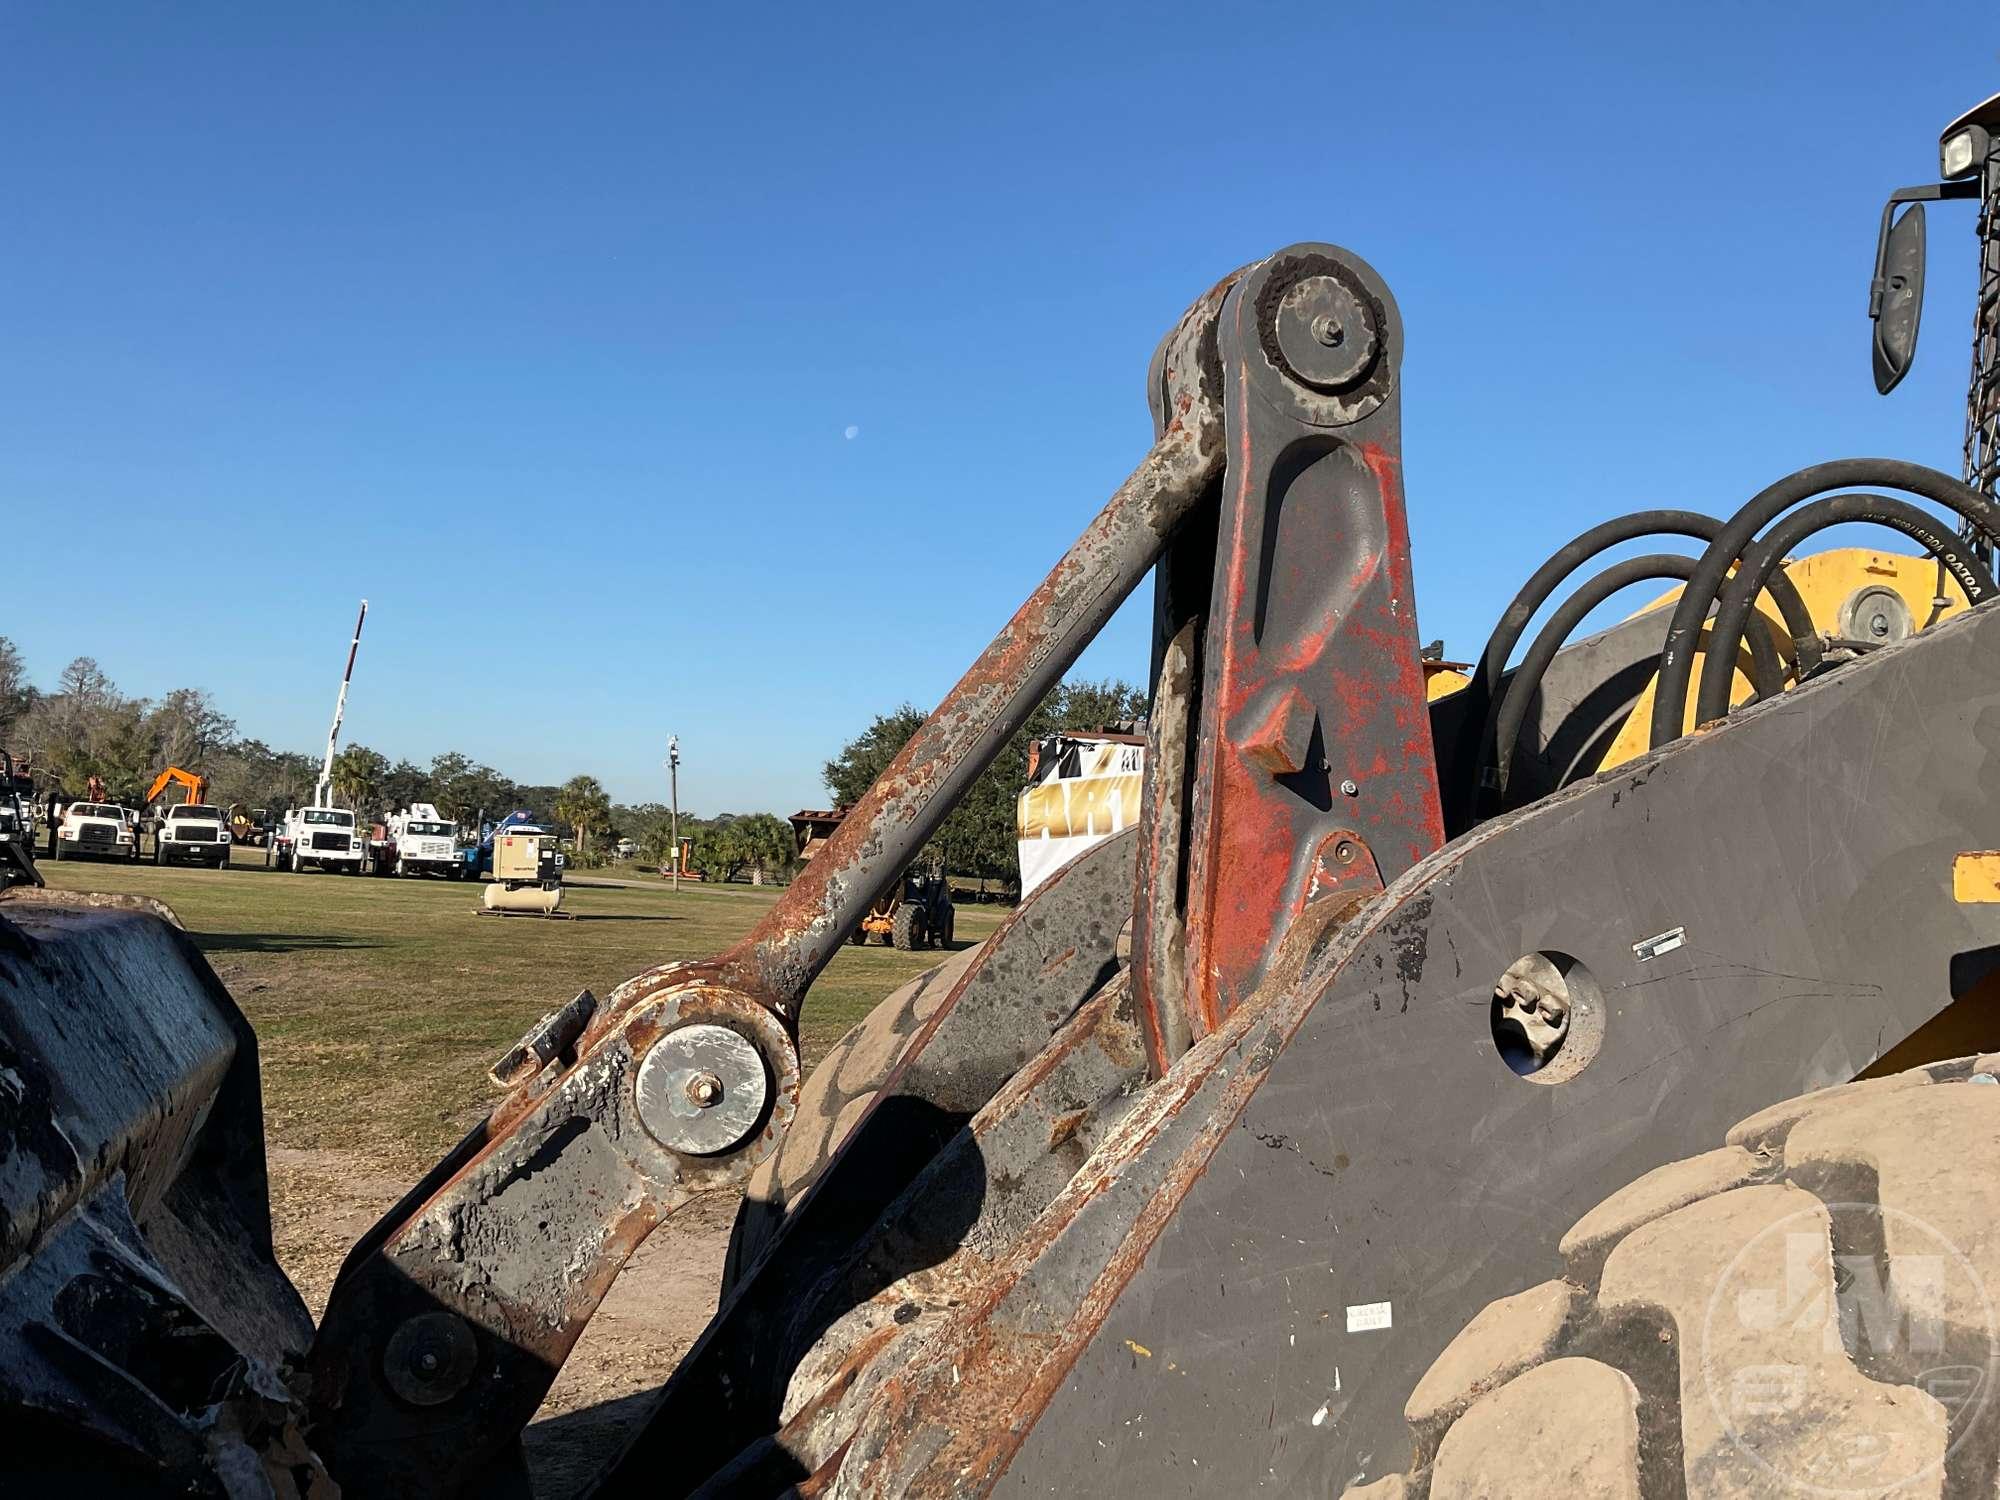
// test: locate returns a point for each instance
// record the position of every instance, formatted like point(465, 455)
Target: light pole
point(674, 825)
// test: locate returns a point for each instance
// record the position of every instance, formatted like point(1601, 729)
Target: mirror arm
point(1930, 193)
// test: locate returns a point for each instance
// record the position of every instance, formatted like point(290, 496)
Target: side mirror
point(1896, 296)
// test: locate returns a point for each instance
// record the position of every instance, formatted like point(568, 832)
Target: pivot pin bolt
point(705, 1089)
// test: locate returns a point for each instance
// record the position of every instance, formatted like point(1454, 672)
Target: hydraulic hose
point(1550, 576)
point(1951, 552)
point(1768, 669)
point(1677, 658)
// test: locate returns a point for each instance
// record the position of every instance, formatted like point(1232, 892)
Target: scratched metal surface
point(1311, 723)
point(143, 1316)
point(1055, 951)
point(1388, 1157)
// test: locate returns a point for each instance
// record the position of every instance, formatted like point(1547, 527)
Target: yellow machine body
point(1827, 583)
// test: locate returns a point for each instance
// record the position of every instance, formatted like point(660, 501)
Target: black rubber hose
point(1881, 510)
point(1768, 669)
point(1677, 657)
point(1549, 577)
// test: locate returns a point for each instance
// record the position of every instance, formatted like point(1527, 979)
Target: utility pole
point(674, 815)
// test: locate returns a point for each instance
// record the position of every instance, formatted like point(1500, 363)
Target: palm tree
point(357, 775)
point(583, 804)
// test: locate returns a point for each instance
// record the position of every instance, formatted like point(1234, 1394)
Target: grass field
point(380, 1004)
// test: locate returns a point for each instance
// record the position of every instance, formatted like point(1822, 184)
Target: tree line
point(980, 839)
point(85, 727)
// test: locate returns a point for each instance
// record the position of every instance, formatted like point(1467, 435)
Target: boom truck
point(321, 834)
point(426, 842)
point(1584, 1083)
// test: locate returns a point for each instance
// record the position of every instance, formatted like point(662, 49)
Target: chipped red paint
point(1286, 650)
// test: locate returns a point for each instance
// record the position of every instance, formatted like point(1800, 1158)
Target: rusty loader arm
point(1196, 1223)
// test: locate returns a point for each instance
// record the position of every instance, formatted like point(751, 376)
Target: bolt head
point(1329, 333)
point(1350, 787)
point(705, 1089)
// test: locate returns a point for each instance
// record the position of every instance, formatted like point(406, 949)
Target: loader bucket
point(144, 1322)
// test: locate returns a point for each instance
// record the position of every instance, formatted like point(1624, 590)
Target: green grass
point(379, 1004)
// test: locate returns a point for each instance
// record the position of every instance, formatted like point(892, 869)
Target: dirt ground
point(322, 1201)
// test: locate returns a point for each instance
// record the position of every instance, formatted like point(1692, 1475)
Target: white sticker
point(1366, 1317)
point(1660, 942)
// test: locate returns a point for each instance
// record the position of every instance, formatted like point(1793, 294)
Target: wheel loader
point(1582, 1084)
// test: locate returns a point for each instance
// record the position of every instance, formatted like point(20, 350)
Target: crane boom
point(323, 792)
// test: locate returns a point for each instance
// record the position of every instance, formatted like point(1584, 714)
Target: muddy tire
point(830, 1103)
point(906, 928)
point(1814, 1307)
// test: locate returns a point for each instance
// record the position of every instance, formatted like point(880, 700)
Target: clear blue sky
point(735, 370)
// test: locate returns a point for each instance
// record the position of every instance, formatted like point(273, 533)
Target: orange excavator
point(195, 786)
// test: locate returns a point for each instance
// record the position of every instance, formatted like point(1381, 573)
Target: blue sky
point(735, 370)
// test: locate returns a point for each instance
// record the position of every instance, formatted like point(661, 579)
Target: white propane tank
point(535, 900)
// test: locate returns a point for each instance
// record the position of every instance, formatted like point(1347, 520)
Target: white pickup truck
point(426, 842)
point(193, 831)
point(322, 836)
point(100, 829)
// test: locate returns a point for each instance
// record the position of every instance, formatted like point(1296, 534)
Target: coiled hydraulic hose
point(1550, 576)
point(1767, 668)
point(1677, 658)
point(1883, 510)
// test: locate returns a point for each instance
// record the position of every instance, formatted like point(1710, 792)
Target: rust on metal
point(1313, 715)
point(1038, 1115)
point(1019, 1013)
point(882, 831)
point(1159, 932)
point(519, 1240)
point(1007, 1353)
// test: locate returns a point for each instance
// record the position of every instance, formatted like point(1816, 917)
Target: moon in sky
point(851, 433)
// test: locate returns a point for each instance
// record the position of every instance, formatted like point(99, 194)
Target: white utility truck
point(192, 831)
point(101, 829)
point(319, 837)
point(426, 842)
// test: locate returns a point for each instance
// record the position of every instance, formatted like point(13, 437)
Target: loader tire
point(906, 928)
point(834, 1097)
point(1813, 1308)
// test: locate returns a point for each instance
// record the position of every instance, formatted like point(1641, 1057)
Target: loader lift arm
point(1312, 783)
point(1293, 792)
point(1064, 1169)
